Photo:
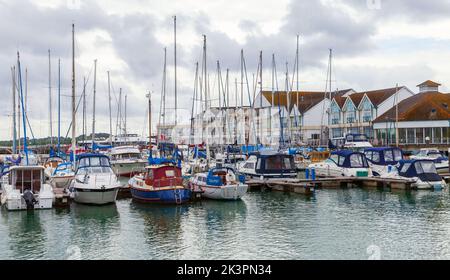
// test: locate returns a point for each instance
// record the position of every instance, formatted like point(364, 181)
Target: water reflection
point(27, 237)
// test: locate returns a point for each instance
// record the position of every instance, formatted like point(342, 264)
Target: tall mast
point(175, 58)
point(93, 105)
point(206, 95)
point(194, 99)
point(242, 78)
point(13, 73)
point(19, 119)
point(50, 98)
point(25, 147)
point(150, 120)
point(74, 140)
point(59, 105)
point(26, 91)
point(396, 116)
point(288, 94)
point(84, 109)
point(110, 116)
point(125, 119)
point(164, 87)
point(260, 98)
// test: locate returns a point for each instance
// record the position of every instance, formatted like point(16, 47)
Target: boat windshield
point(357, 161)
point(392, 155)
point(357, 138)
point(127, 156)
point(279, 162)
point(94, 170)
point(93, 162)
point(425, 167)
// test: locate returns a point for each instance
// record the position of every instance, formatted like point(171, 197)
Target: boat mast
point(84, 109)
point(13, 74)
point(125, 120)
point(194, 99)
point(206, 96)
point(288, 94)
point(396, 116)
point(93, 105)
point(175, 58)
point(74, 140)
point(150, 120)
point(25, 147)
point(260, 97)
point(59, 105)
point(50, 97)
point(110, 116)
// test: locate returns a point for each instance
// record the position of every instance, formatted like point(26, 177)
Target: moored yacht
point(422, 172)
point(345, 163)
point(127, 161)
point(268, 165)
point(162, 182)
point(440, 160)
point(94, 182)
point(219, 183)
point(25, 189)
point(383, 160)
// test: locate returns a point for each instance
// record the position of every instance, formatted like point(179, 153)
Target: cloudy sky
point(376, 44)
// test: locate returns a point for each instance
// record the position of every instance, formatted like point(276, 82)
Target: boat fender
point(28, 196)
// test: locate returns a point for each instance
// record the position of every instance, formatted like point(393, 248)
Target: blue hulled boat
point(161, 182)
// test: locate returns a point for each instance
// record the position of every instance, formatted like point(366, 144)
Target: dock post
point(307, 173)
point(313, 174)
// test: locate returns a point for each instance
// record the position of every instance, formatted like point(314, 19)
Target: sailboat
point(58, 170)
point(95, 181)
point(26, 188)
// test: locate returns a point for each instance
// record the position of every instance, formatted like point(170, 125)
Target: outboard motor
point(28, 196)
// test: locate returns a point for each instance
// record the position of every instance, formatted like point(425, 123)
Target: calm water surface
point(335, 224)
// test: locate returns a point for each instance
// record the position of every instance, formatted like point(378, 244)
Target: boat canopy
point(214, 179)
point(62, 167)
point(273, 162)
point(425, 169)
point(349, 159)
point(356, 138)
point(384, 156)
point(92, 160)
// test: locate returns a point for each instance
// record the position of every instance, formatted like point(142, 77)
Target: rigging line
point(78, 105)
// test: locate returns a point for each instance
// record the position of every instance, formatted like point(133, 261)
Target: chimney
point(428, 86)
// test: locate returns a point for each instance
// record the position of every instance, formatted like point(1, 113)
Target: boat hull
point(14, 201)
point(128, 168)
point(61, 182)
point(94, 196)
point(166, 196)
point(230, 192)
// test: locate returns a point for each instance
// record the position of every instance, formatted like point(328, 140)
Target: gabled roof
point(376, 96)
point(424, 106)
point(340, 101)
point(429, 83)
point(305, 100)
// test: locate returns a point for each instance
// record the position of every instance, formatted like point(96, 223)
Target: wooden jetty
point(305, 186)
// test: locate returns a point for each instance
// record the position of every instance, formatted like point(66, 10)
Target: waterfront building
point(423, 120)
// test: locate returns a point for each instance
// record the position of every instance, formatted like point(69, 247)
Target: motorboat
point(219, 183)
point(357, 142)
point(62, 175)
point(94, 182)
point(440, 160)
point(422, 172)
point(383, 160)
point(161, 182)
point(127, 161)
point(50, 165)
point(345, 163)
point(268, 165)
point(26, 190)
point(227, 160)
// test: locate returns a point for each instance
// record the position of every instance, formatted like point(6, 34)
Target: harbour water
point(334, 224)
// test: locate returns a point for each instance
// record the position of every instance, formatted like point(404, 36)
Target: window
point(249, 165)
point(376, 157)
point(288, 163)
point(273, 163)
point(437, 135)
point(258, 164)
point(368, 155)
point(335, 158)
point(150, 174)
point(397, 155)
point(356, 160)
point(341, 161)
point(405, 167)
point(170, 173)
point(388, 156)
point(411, 136)
point(425, 167)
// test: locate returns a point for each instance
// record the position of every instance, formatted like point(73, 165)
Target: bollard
point(313, 174)
point(307, 173)
point(389, 168)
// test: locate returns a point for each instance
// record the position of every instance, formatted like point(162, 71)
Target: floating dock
point(307, 186)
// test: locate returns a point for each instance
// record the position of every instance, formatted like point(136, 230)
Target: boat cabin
point(271, 163)
point(424, 169)
point(163, 176)
point(121, 153)
point(357, 141)
point(432, 154)
point(27, 178)
point(92, 163)
point(53, 162)
point(384, 156)
point(349, 159)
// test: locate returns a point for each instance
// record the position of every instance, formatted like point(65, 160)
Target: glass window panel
point(356, 160)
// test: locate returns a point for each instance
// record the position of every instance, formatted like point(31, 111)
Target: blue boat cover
point(347, 155)
point(414, 168)
point(381, 155)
